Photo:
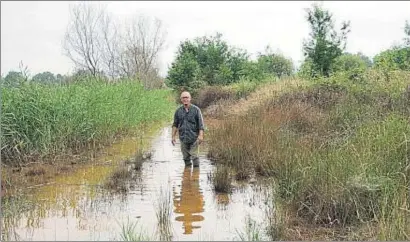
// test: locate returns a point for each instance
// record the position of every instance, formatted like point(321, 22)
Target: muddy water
point(78, 207)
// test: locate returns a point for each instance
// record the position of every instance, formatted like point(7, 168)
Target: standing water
point(78, 207)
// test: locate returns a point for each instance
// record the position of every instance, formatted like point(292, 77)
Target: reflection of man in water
point(190, 201)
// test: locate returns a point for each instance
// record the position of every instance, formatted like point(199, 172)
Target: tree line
point(210, 60)
point(101, 47)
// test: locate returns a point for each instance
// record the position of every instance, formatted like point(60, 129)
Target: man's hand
point(200, 136)
point(174, 134)
point(173, 141)
point(200, 139)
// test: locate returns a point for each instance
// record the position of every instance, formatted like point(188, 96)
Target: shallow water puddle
point(77, 207)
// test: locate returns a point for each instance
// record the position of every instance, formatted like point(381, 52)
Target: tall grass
point(338, 149)
point(221, 179)
point(163, 211)
point(252, 231)
point(12, 209)
point(130, 233)
point(40, 120)
point(275, 217)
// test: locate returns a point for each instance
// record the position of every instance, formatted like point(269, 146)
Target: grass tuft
point(163, 213)
point(221, 179)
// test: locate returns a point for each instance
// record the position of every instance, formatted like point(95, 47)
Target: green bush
point(275, 64)
point(352, 65)
point(393, 59)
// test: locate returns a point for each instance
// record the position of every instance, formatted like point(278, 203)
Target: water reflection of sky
point(76, 207)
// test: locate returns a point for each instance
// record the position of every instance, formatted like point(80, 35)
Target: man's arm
point(201, 126)
point(175, 128)
point(174, 134)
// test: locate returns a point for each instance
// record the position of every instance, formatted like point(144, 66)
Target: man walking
point(189, 123)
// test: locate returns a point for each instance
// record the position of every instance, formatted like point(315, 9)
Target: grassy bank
point(48, 120)
point(211, 95)
point(339, 151)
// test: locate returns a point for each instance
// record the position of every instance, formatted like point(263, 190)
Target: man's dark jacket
point(188, 123)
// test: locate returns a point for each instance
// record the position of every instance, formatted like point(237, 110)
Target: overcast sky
point(32, 32)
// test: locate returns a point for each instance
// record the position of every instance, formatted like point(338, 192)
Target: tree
point(407, 33)
point(325, 43)
point(251, 70)
point(60, 78)
point(185, 72)
point(94, 42)
point(276, 64)
point(44, 77)
point(110, 45)
point(142, 42)
point(84, 39)
point(351, 64)
point(393, 59)
point(365, 58)
point(207, 60)
point(17, 78)
point(13, 78)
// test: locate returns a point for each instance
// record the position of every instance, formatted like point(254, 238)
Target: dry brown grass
point(37, 171)
point(34, 174)
point(219, 109)
point(263, 93)
point(243, 171)
point(283, 223)
point(222, 103)
point(253, 142)
point(296, 136)
point(212, 94)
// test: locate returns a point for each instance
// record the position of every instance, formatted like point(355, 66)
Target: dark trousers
point(190, 152)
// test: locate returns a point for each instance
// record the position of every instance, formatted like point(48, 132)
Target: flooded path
point(78, 207)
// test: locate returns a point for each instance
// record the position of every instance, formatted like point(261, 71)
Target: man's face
point(185, 98)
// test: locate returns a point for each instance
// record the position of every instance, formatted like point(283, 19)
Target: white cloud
point(33, 31)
